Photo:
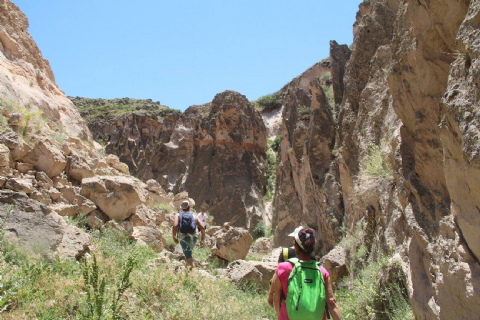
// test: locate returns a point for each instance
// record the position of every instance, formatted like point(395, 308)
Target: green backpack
point(306, 295)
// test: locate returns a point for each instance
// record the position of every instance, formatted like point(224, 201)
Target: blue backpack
point(187, 222)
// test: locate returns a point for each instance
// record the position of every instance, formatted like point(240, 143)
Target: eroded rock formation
point(216, 152)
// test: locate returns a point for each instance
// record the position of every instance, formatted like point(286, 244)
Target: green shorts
point(187, 244)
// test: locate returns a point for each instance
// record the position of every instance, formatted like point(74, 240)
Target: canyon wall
point(216, 152)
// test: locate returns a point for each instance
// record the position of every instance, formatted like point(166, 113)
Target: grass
point(106, 111)
point(376, 163)
point(271, 168)
point(269, 101)
point(163, 206)
point(36, 288)
point(32, 120)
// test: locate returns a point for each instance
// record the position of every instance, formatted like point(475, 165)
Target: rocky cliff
point(26, 78)
point(216, 152)
point(407, 146)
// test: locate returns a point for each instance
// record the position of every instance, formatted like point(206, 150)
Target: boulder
point(20, 185)
point(43, 180)
point(255, 272)
point(117, 196)
point(15, 119)
point(335, 263)
point(64, 209)
point(155, 187)
point(232, 244)
point(54, 194)
point(41, 196)
point(96, 219)
point(143, 216)
point(85, 206)
point(180, 197)
point(115, 163)
point(33, 225)
point(23, 167)
point(78, 169)
point(152, 237)
point(47, 158)
point(4, 156)
point(16, 144)
point(262, 245)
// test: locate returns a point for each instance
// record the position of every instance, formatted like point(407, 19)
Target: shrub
point(163, 206)
point(376, 164)
point(270, 101)
point(276, 143)
point(259, 230)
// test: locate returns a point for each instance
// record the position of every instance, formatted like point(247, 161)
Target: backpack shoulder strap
point(296, 265)
point(285, 254)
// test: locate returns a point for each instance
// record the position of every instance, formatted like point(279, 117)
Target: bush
point(260, 230)
point(376, 164)
point(276, 143)
point(270, 101)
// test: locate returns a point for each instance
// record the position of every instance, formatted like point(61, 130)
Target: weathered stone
point(16, 144)
point(78, 169)
point(4, 156)
point(155, 187)
point(41, 196)
point(232, 244)
point(66, 210)
point(152, 237)
point(262, 245)
point(54, 194)
point(254, 272)
point(19, 185)
point(336, 264)
point(43, 180)
point(115, 163)
point(143, 216)
point(85, 206)
point(117, 196)
point(47, 158)
point(96, 219)
point(16, 119)
point(43, 231)
point(23, 167)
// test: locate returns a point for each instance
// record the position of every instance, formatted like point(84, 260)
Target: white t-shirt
point(202, 218)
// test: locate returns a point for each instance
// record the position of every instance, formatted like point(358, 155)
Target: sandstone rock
point(3, 179)
point(143, 216)
point(61, 182)
point(43, 231)
point(336, 264)
point(54, 194)
point(4, 156)
point(41, 196)
point(66, 210)
point(254, 272)
point(16, 119)
point(43, 180)
point(233, 244)
point(23, 167)
point(115, 163)
point(78, 169)
point(96, 219)
point(85, 206)
point(117, 196)
point(47, 158)
point(212, 230)
point(70, 194)
point(149, 236)
point(154, 186)
point(19, 185)
point(74, 243)
point(262, 245)
point(180, 197)
point(16, 144)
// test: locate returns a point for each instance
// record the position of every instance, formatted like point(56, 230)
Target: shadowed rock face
point(216, 152)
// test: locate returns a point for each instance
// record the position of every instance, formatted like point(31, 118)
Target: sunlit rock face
point(215, 151)
point(26, 78)
point(412, 96)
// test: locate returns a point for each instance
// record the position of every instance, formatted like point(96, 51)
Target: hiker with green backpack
point(305, 285)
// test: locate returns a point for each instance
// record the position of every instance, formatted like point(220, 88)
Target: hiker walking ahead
point(305, 285)
point(202, 216)
point(185, 227)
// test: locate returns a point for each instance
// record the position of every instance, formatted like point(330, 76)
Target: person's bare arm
point(202, 230)
point(175, 229)
point(270, 294)
point(331, 302)
point(277, 293)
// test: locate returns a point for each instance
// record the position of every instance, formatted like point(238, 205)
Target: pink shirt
point(283, 271)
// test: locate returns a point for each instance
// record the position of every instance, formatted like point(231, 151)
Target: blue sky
point(183, 52)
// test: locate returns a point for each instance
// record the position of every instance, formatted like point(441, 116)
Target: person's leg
point(187, 246)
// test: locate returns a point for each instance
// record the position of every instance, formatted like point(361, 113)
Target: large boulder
point(232, 243)
point(47, 158)
point(20, 185)
point(4, 156)
point(78, 168)
point(117, 196)
point(335, 263)
point(152, 237)
point(33, 225)
point(256, 272)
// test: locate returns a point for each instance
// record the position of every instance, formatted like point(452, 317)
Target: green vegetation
point(260, 230)
point(101, 110)
point(164, 206)
point(374, 288)
point(271, 152)
point(270, 101)
point(31, 123)
point(120, 281)
point(376, 164)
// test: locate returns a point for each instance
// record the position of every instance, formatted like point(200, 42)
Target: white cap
point(185, 205)
point(295, 232)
